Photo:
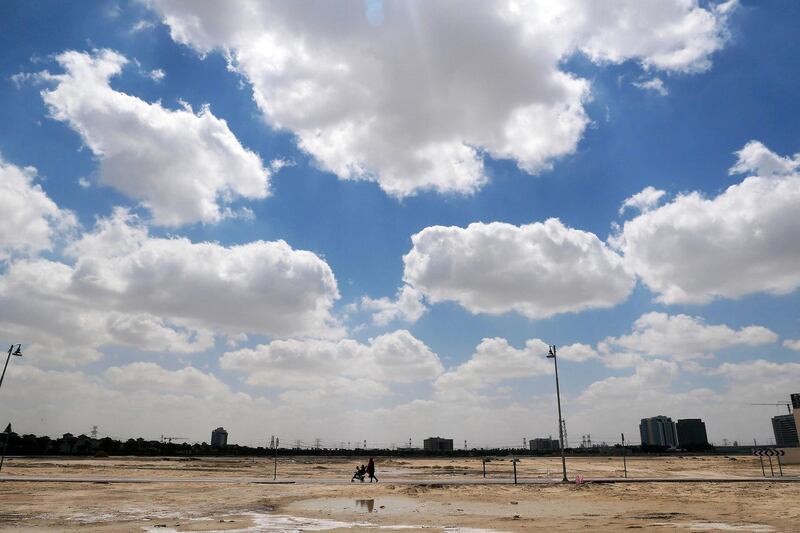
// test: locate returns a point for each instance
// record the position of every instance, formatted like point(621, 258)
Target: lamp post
point(17, 352)
point(552, 355)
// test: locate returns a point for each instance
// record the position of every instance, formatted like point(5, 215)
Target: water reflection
point(369, 505)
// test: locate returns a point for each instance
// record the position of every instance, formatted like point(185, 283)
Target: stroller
point(361, 472)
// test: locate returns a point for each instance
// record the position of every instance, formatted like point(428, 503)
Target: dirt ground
point(246, 507)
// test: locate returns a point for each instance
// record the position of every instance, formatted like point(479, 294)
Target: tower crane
point(787, 404)
point(169, 440)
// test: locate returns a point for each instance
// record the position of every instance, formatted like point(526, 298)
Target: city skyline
point(371, 220)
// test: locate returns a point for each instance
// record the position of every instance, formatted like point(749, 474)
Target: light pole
point(552, 355)
point(17, 352)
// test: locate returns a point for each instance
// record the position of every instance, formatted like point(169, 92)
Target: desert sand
point(426, 505)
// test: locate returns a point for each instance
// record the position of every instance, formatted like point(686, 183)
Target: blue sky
point(714, 88)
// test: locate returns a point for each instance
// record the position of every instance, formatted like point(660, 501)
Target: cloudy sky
point(365, 220)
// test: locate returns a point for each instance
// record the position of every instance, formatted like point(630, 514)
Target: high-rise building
point(785, 430)
point(437, 444)
point(544, 445)
point(692, 434)
point(219, 437)
point(658, 431)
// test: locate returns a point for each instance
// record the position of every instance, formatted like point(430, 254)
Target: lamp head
point(18, 351)
point(551, 353)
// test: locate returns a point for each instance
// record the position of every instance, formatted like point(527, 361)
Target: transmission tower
point(93, 433)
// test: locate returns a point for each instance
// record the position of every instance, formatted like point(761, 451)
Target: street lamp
point(17, 352)
point(552, 355)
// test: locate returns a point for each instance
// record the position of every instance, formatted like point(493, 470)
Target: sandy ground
point(173, 506)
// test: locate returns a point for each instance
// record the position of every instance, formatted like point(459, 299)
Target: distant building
point(785, 430)
point(692, 434)
point(437, 444)
point(658, 431)
point(544, 445)
point(219, 437)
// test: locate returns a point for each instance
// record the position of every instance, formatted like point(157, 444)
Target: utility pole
point(276, 441)
point(624, 461)
point(552, 355)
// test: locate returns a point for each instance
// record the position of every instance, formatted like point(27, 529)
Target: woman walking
point(371, 470)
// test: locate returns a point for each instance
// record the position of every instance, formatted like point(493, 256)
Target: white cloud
point(156, 75)
point(577, 352)
point(755, 158)
point(792, 344)
point(178, 164)
point(683, 337)
point(407, 306)
point(136, 400)
point(29, 220)
point(644, 200)
point(396, 357)
point(128, 288)
point(151, 377)
point(142, 25)
point(538, 269)
point(654, 84)
point(415, 101)
point(694, 249)
point(494, 361)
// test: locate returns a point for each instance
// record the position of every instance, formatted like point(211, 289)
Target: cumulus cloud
point(407, 306)
point(644, 200)
point(792, 344)
point(135, 400)
point(494, 361)
point(577, 352)
point(396, 357)
point(29, 220)
point(683, 337)
point(414, 100)
point(538, 269)
point(695, 249)
point(755, 158)
point(126, 287)
point(654, 84)
point(179, 164)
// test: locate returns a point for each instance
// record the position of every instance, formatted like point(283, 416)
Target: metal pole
point(771, 470)
point(780, 467)
point(484, 469)
point(275, 470)
point(6, 365)
point(624, 461)
point(560, 426)
point(760, 459)
point(515, 470)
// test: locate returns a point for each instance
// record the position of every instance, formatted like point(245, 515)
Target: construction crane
point(170, 439)
point(787, 404)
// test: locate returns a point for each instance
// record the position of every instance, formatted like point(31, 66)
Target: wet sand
point(174, 506)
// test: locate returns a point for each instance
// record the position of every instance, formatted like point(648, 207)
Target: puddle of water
point(265, 523)
point(718, 526)
point(368, 505)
